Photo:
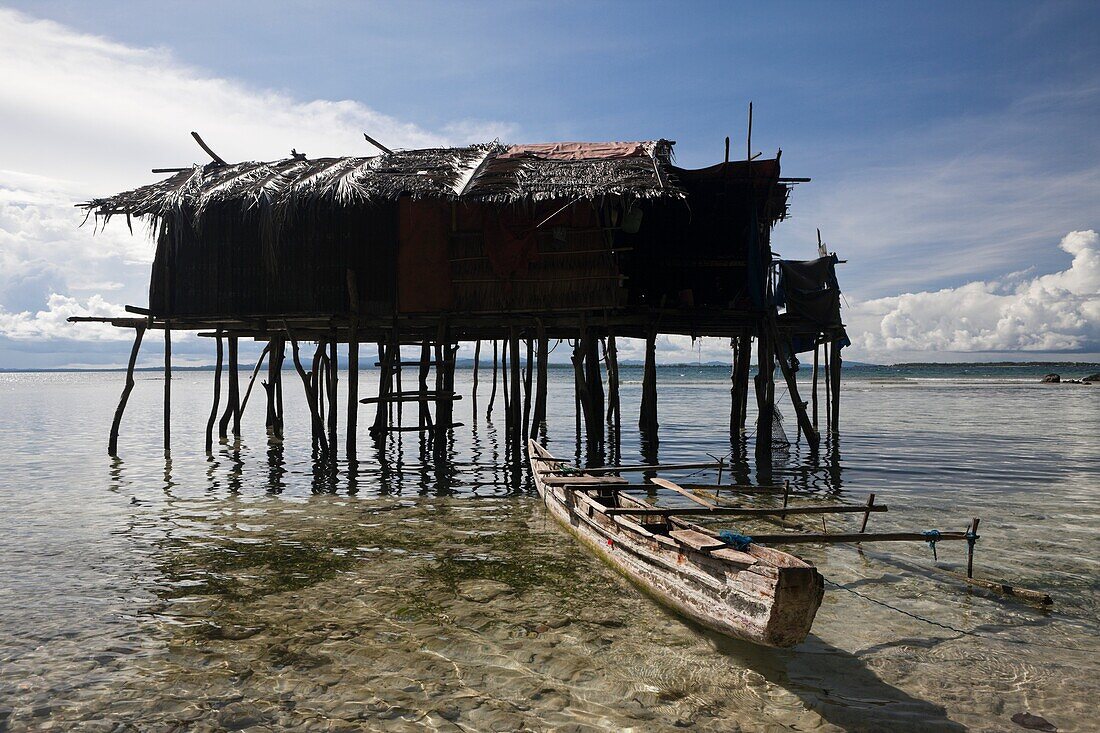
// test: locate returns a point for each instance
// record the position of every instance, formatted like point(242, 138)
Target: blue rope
point(739, 541)
point(933, 536)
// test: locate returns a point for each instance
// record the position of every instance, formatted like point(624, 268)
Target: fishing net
point(780, 441)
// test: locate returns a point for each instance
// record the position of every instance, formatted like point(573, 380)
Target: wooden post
point(333, 374)
point(835, 366)
point(385, 384)
point(647, 419)
point(493, 393)
point(867, 513)
point(278, 354)
point(477, 363)
point(614, 409)
point(514, 429)
point(425, 419)
point(167, 388)
point(353, 391)
point(828, 386)
point(594, 380)
point(311, 395)
point(252, 381)
point(539, 410)
point(973, 532)
point(444, 405)
point(217, 395)
point(233, 403)
point(735, 388)
point(812, 436)
point(765, 391)
point(112, 443)
point(527, 374)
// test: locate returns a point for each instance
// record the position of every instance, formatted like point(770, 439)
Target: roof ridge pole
point(202, 144)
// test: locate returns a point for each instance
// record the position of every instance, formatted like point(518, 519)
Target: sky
point(954, 147)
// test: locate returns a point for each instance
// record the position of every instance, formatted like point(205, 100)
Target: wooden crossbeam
point(411, 397)
point(758, 512)
point(666, 484)
point(618, 469)
point(786, 539)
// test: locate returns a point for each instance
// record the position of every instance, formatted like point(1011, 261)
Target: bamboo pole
point(217, 395)
point(112, 442)
point(167, 389)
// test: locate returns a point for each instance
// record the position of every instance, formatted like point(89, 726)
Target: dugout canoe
point(758, 594)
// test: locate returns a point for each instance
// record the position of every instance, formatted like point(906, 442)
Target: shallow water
point(252, 591)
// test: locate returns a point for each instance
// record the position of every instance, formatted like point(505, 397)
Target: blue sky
point(953, 146)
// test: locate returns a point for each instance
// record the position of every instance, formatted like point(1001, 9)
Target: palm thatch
point(484, 173)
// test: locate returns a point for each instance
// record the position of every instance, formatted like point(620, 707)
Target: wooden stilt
point(252, 379)
point(493, 393)
point(593, 377)
point(514, 429)
point(333, 375)
point(311, 395)
point(425, 420)
point(804, 423)
point(813, 390)
point(580, 385)
point(217, 395)
point(444, 385)
point(353, 391)
point(527, 375)
point(647, 420)
point(835, 367)
point(112, 443)
point(735, 390)
point(765, 392)
point(539, 413)
point(233, 402)
point(386, 355)
point(611, 358)
point(167, 389)
point(477, 364)
point(828, 386)
point(973, 536)
point(278, 355)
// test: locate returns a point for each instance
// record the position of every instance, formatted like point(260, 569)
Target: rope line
point(955, 629)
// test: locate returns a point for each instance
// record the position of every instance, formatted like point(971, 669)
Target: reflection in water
point(425, 587)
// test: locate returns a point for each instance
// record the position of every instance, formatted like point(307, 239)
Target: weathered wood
point(781, 539)
point(252, 379)
point(353, 394)
point(311, 396)
point(217, 396)
point(431, 396)
point(233, 401)
point(867, 514)
point(493, 393)
point(515, 405)
point(333, 375)
point(813, 389)
point(835, 368)
point(666, 484)
point(112, 442)
point(754, 512)
point(593, 377)
point(625, 468)
point(647, 419)
point(477, 365)
point(784, 356)
point(611, 359)
point(539, 410)
point(167, 389)
point(765, 393)
point(973, 531)
point(424, 419)
point(696, 540)
point(527, 374)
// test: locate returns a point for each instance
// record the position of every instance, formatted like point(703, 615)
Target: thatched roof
point(488, 172)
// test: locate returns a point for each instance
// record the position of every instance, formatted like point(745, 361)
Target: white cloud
point(83, 116)
point(52, 322)
point(1054, 312)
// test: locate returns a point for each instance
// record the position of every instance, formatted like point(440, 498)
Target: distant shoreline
point(1052, 366)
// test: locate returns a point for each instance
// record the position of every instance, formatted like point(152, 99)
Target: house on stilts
point(515, 244)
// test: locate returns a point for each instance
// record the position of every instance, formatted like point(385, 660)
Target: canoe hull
point(759, 603)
